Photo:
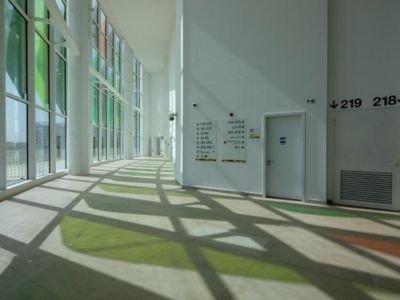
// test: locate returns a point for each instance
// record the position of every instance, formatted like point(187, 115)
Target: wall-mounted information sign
point(234, 144)
point(206, 141)
point(254, 133)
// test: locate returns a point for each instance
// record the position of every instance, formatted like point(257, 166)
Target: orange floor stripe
point(382, 246)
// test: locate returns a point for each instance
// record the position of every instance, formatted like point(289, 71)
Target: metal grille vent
point(371, 187)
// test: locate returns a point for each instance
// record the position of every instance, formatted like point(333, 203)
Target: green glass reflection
point(110, 112)
point(110, 53)
point(61, 7)
point(111, 75)
point(61, 140)
point(15, 40)
point(117, 45)
point(104, 110)
point(22, 4)
point(103, 69)
point(95, 144)
point(41, 71)
point(60, 85)
point(95, 106)
point(118, 115)
point(95, 59)
point(16, 141)
point(111, 144)
point(41, 12)
point(95, 35)
point(117, 82)
point(118, 64)
point(94, 9)
point(42, 143)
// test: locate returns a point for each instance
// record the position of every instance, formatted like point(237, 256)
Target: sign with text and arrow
point(358, 103)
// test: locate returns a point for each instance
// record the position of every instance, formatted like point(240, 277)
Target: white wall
point(364, 62)
point(254, 57)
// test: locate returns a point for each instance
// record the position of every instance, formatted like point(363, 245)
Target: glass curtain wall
point(16, 90)
point(107, 108)
point(137, 106)
point(35, 105)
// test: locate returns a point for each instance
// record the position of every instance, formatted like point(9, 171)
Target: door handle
point(269, 162)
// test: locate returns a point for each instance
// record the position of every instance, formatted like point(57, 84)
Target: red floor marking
point(382, 246)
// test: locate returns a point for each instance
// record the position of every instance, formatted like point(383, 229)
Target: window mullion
point(52, 98)
point(31, 91)
point(3, 146)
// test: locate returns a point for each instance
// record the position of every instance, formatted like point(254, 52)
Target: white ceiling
point(147, 27)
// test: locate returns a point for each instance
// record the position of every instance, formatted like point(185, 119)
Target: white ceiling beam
point(57, 20)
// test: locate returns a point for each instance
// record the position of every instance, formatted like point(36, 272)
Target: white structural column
point(2, 100)
point(127, 71)
point(78, 101)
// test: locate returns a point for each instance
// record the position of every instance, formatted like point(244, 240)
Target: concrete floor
point(128, 231)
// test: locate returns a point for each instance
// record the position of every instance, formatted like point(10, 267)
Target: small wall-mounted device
point(172, 116)
point(231, 114)
point(195, 105)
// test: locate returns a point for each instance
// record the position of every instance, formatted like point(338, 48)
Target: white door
point(285, 157)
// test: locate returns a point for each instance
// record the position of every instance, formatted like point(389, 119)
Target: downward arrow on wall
point(334, 104)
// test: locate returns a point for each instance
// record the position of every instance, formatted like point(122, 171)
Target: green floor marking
point(237, 265)
point(120, 244)
point(124, 189)
point(117, 188)
point(311, 210)
point(126, 245)
point(332, 212)
point(135, 174)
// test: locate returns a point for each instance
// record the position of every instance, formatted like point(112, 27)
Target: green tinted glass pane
point(94, 7)
point(60, 85)
point(22, 4)
point(110, 112)
point(95, 59)
point(95, 106)
point(15, 39)
point(59, 39)
point(118, 63)
point(110, 52)
point(61, 7)
point(41, 12)
point(103, 69)
point(104, 110)
point(117, 44)
point(41, 71)
point(61, 141)
point(16, 141)
point(111, 76)
point(42, 135)
point(95, 35)
point(117, 82)
point(118, 115)
point(95, 144)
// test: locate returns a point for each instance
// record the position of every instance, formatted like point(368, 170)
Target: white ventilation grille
point(371, 187)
